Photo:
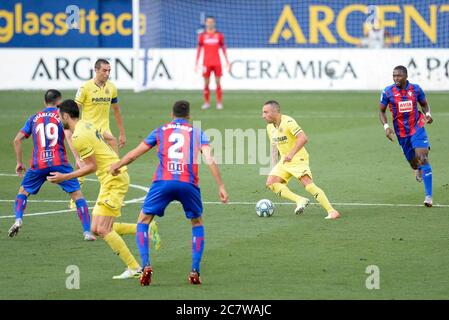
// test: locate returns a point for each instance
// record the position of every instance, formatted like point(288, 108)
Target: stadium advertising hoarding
point(246, 24)
point(267, 69)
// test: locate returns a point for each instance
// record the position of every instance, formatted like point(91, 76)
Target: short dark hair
point(52, 96)
point(210, 17)
point(273, 103)
point(401, 68)
point(99, 62)
point(70, 107)
point(181, 109)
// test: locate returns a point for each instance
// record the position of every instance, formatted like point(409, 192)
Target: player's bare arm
point(274, 154)
point(389, 133)
point(210, 161)
point(128, 158)
point(197, 60)
point(301, 140)
point(119, 121)
point(19, 154)
point(89, 166)
point(426, 110)
point(68, 135)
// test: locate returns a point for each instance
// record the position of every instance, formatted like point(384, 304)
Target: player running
point(289, 139)
point(95, 98)
point(408, 122)
point(48, 155)
point(97, 156)
point(211, 40)
point(175, 178)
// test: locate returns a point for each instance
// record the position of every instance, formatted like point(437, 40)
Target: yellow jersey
point(88, 141)
point(96, 102)
point(284, 138)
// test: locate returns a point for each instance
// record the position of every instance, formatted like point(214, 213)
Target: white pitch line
point(349, 204)
point(136, 200)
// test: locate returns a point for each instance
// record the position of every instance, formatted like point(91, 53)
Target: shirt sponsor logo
point(211, 41)
point(175, 167)
point(101, 100)
point(47, 155)
point(405, 106)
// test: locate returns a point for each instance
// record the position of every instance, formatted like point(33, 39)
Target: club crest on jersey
point(410, 93)
point(405, 106)
point(106, 91)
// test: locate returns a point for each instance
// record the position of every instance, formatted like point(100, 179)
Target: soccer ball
point(264, 208)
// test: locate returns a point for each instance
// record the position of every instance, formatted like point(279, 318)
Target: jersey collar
point(179, 120)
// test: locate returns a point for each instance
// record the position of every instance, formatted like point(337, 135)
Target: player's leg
point(422, 156)
point(197, 249)
point(19, 208)
point(83, 214)
point(190, 198)
point(157, 199)
point(206, 91)
point(319, 195)
point(420, 144)
point(277, 182)
point(73, 188)
point(142, 242)
point(31, 184)
point(102, 226)
point(218, 90)
point(111, 140)
point(106, 210)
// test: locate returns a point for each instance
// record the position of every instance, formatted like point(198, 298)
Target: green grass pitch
point(247, 257)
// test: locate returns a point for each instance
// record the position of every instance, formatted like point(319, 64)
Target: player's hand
point(19, 169)
point(114, 169)
point(287, 158)
point(121, 141)
point(56, 177)
point(390, 134)
point(228, 66)
point(197, 68)
point(428, 118)
point(223, 194)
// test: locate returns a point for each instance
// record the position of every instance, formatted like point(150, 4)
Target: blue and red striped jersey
point(48, 139)
point(403, 104)
point(178, 146)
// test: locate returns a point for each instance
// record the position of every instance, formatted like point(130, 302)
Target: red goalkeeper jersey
point(211, 42)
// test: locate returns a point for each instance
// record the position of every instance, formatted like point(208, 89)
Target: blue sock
point(142, 243)
point(20, 205)
point(197, 246)
point(426, 170)
point(83, 213)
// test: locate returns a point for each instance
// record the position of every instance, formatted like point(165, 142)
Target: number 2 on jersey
point(174, 150)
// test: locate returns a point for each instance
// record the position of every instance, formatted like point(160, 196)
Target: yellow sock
point(124, 228)
point(282, 190)
point(119, 247)
point(320, 196)
point(81, 181)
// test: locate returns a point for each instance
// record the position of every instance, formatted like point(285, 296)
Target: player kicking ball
point(402, 98)
point(48, 155)
point(211, 41)
point(97, 156)
point(175, 178)
point(288, 140)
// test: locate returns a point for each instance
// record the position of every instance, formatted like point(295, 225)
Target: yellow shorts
point(288, 170)
point(111, 196)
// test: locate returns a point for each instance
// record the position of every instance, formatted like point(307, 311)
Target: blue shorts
point(34, 179)
point(418, 140)
point(163, 192)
